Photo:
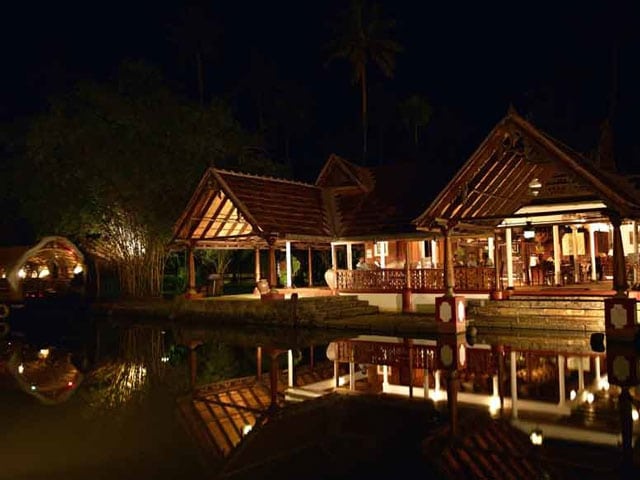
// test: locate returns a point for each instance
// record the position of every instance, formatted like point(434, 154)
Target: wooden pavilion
point(524, 209)
point(348, 209)
point(522, 187)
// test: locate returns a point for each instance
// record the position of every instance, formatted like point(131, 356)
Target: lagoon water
point(104, 402)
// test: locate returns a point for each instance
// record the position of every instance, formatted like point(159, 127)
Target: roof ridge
point(265, 177)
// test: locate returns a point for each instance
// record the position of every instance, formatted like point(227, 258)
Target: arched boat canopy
point(55, 257)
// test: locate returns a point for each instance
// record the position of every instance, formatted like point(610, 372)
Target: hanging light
point(529, 231)
point(535, 186)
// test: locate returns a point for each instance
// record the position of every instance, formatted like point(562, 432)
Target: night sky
point(469, 59)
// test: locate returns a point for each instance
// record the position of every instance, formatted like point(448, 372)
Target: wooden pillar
point(290, 367)
point(626, 423)
point(289, 268)
point(273, 378)
point(634, 240)
point(273, 278)
point(562, 386)
point(592, 253)
point(620, 284)
point(334, 259)
point(495, 256)
point(311, 359)
point(574, 242)
point(193, 367)
point(435, 255)
point(410, 346)
point(309, 267)
point(407, 305)
point(452, 399)
point(193, 362)
point(449, 275)
point(514, 385)
point(491, 248)
point(349, 256)
point(501, 373)
point(509, 258)
point(258, 275)
point(191, 273)
point(259, 363)
point(557, 256)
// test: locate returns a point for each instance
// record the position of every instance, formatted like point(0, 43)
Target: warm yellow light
point(22, 273)
point(77, 269)
point(572, 395)
point(43, 353)
point(635, 415)
point(21, 368)
point(43, 273)
point(536, 437)
point(494, 405)
point(590, 397)
point(246, 429)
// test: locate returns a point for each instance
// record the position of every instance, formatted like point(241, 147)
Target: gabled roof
point(494, 183)
point(228, 207)
point(395, 194)
point(341, 174)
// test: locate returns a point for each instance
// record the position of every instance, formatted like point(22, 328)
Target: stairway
point(584, 313)
point(319, 309)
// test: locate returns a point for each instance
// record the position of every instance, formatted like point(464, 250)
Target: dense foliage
point(118, 162)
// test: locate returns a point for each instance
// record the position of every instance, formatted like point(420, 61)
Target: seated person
point(362, 264)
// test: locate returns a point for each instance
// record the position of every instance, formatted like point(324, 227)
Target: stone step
point(533, 322)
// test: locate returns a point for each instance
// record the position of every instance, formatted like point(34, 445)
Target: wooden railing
point(469, 279)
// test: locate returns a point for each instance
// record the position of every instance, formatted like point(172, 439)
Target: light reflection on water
point(106, 391)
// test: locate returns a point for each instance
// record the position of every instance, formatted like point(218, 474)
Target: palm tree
point(362, 36)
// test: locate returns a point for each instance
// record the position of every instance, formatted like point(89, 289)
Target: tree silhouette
point(416, 112)
point(361, 36)
point(196, 34)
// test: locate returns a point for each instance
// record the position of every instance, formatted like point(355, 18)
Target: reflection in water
point(135, 373)
point(126, 376)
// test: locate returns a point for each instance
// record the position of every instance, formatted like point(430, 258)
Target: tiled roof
point(399, 193)
point(484, 449)
point(280, 206)
point(230, 207)
point(494, 183)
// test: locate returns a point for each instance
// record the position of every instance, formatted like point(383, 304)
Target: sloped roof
point(336, 436)
point(230, 206)
point(485, 449)
point(389, 199)
point(494, 183)
point(230, 209)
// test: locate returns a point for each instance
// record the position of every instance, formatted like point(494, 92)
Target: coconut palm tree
point(362, 36)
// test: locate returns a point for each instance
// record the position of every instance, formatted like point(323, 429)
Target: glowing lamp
point(246, 429)
point(77, 269)
point(43, 273)
point(529, 231)
point(33, 388)
point(22, 273)
point(69, 384)
point(43, 353)
point(21, 368)
point(635, 415)
point(536, 437)
point(572, 395)
point(590, 398)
